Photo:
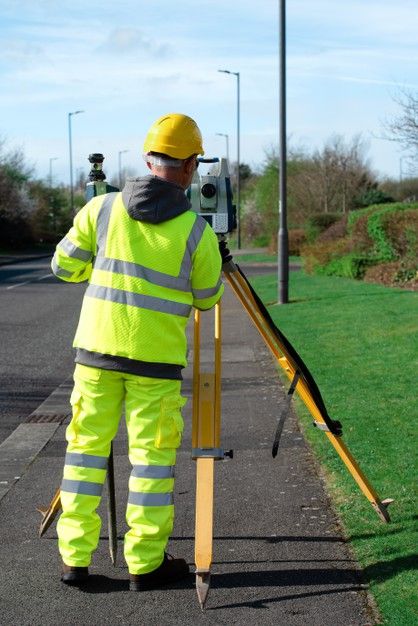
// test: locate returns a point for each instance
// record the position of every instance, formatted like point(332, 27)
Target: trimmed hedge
point(319, 223)
point(379, 234)
point(348, 266)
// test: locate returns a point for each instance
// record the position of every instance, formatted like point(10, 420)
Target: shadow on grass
point(405, 524)
point(384, 570)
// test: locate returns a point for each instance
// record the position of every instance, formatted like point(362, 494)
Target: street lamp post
point(227, 144)
point(238, 156)
point(71, 159)
point(401, 169)
point(283, 238)
point(120, 166)
point(50, 169)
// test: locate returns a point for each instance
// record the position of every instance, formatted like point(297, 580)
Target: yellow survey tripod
point(206, 423)
point(206, 449)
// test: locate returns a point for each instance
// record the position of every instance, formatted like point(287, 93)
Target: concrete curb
point(22, 447)
point(19, 450)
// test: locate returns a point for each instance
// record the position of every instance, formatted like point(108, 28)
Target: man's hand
point(225, 253)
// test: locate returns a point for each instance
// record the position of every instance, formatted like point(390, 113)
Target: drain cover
point(38, 418)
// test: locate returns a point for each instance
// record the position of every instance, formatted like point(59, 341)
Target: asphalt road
point(38, 318)
point(279, 555)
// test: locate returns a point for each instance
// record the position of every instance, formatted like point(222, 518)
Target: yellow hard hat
point(176, 135)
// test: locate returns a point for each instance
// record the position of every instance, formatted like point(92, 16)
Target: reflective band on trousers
point(150, 499)
point(139, 300)
point(152, 471)
point(74, 251)
point(83, 487)
point(86, 460)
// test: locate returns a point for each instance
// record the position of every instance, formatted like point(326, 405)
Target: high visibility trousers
point(154, 425)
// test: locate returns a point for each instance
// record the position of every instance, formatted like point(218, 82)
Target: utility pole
point(283, 237)
point(120, 166)
point(236, 74)
point(50, 169)
point(227, 144)
point(71, 159)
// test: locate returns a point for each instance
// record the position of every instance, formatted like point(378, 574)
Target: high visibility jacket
point(144, 278)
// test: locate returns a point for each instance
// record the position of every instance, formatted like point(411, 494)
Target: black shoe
point(74, 575)
point(170, 571)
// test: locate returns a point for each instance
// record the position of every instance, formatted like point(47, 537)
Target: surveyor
point(148, 260)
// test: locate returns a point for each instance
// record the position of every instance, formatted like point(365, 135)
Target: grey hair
point(161, 160)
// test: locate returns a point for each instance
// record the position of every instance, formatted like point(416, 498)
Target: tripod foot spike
point(381, 509)
point(202, 587)
point(49, 513)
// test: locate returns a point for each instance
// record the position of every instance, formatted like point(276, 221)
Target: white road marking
point(27, 282)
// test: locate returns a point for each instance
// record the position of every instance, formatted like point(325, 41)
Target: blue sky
point(128, 61)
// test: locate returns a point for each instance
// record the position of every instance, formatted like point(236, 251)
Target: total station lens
point(208, 190)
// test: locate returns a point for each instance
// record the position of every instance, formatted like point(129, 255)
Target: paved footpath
point(279, 557)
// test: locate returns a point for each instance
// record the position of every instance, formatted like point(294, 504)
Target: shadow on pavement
point(263, 603)
point(286, 578)
point(103, 584)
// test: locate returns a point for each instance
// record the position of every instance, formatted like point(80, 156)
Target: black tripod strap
point(293, 357)
point(284, 414)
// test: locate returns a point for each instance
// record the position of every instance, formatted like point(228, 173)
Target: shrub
point(318, 255)
point(383, 250)
point(371, 229)
point(297, 238)
point(349, 266)
point(319, 222)
point(402, 232)
point(360, 235)
point(262, 241)
point(373, 196)
point(338, 230)
point(395, 273)
point(379, 244)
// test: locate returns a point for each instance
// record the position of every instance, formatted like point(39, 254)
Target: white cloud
point(125, 40)
point(126, 62)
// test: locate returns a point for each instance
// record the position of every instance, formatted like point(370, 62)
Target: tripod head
point(96, 173)
point(97, 185)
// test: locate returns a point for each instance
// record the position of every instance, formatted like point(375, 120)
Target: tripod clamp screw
point(229, 454)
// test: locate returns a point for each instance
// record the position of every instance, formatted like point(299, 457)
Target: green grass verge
point(261, 258)
point(360, 341)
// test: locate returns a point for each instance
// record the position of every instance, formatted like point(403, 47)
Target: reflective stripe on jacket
point(144, 280)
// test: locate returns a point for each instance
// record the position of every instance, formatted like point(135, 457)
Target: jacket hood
point(152, 199)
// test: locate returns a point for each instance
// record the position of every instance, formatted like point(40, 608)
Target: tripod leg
point(50, 513)
point(205, 442)
point(244, 295)
point(204, 526)
point(111, 509)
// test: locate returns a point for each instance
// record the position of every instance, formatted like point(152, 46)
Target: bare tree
point(404, 127)
point(342, 173)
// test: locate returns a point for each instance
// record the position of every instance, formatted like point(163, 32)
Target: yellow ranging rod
point(206, 424)
point(302, 382)
point(54, 507)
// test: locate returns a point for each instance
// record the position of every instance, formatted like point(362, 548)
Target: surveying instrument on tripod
point(210, 196)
